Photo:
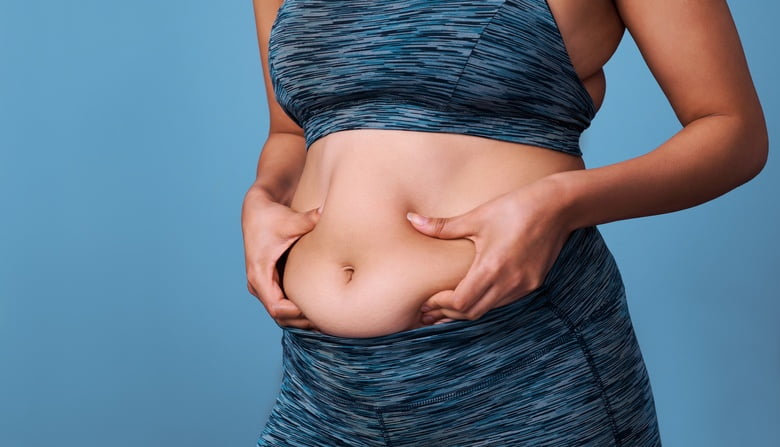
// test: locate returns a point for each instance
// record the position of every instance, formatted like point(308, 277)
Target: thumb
point(304, 222)
point(440, 227)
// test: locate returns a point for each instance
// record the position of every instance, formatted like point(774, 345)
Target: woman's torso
point(364, 270)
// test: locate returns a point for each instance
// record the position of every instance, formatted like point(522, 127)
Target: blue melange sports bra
point(491, 68)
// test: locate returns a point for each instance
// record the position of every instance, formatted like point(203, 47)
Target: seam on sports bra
point(473, 47)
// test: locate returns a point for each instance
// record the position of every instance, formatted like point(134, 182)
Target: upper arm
point(693, 50)
point(265, 14)
point(284, 152)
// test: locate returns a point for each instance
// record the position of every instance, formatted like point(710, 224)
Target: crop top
point(492, 68)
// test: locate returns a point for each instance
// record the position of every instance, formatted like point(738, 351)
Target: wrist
point(259, 192)
point(560, 196)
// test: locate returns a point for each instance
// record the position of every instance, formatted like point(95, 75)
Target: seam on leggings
point(385, 434)
point(596, 376)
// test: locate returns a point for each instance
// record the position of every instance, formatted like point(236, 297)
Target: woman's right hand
point(269, 229)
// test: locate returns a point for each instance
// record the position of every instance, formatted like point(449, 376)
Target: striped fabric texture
point(492, 68)
point(559, 367)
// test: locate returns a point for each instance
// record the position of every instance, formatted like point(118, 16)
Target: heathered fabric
point(558, 367)
point(491, 68)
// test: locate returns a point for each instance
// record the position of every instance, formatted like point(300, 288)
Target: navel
point(348, 272)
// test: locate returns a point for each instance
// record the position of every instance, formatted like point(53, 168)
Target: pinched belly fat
point(354, 276)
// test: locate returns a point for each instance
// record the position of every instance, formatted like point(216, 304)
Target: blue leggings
point(558, 367)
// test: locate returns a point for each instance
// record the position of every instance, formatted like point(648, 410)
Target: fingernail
point(425, 308)
point(416, 219)
point(427, 319)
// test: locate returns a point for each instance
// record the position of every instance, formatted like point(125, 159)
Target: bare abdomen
point(364, 270)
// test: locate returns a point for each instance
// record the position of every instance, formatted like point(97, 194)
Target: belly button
point(348, 272)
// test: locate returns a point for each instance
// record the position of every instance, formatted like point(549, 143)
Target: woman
point(422, 225)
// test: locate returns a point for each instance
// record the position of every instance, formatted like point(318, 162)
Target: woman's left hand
point(517, 237)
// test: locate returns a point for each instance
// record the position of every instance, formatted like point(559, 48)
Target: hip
point(560, 366)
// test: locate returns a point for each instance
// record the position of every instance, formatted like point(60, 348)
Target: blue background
point(129, 132)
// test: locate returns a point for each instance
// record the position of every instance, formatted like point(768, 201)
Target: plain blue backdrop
point(129, 132)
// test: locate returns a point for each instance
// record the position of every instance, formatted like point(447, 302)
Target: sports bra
point(491, 68)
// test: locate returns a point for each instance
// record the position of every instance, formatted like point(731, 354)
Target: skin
point(498, 237)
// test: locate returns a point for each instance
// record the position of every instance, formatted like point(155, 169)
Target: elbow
point(756, 139)
point(756, 151)
point(747, 146)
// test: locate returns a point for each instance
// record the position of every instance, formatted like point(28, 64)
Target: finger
point(498, 296)
point(252, 289)
point(432, 316)
point(285, 309)
point(300, 323)
point(435, 316)
point(474, 312)
point(471, 288)
point(261, 283)
point(442, 227)
point(444, 313)
point(302, 223)
point(287, 313)
point(434, 301)
point(485, 303)
point(273, 299)
point(444, 320)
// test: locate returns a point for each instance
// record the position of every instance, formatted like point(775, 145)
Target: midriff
point(364, 271)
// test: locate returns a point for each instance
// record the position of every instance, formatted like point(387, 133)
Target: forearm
point(707, 158)
point(279, 167)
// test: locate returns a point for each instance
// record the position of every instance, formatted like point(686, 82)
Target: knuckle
point(253, 274)
point(251, 269)
point(254, 287)
point(515, 277)
point(491, 265)
point(536, 282)
point(528, 284)
point(472, 315)
point(460, 304)
point(433, 315)
point(438, 225)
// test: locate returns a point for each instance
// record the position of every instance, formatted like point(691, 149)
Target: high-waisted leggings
point(558, 367)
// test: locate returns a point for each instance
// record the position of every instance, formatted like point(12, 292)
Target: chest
point(455, 51)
